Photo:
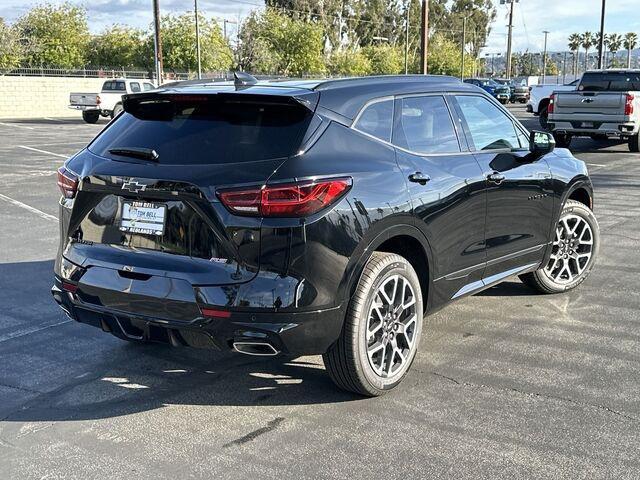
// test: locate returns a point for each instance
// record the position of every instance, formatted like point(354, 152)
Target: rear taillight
point(552, 101)
point(285, 200)
point(628, 104)
point(98, 101)
point(67, 182)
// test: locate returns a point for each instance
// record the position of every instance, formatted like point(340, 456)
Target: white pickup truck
point(539, 98)
point(107, 103)
point(605, 105)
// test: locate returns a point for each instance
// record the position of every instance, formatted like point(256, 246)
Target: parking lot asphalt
point(507, 383)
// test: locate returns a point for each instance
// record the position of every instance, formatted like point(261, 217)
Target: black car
point(518, 88)
point(313, 217)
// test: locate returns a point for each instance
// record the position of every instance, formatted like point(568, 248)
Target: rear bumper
point(84, 107)
point(613, 129)
point(296, 333)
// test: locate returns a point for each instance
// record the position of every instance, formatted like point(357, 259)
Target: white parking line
point(43, 151)
point(596, 165)
point(16, 125)
point(54, 119)
point(40, 213)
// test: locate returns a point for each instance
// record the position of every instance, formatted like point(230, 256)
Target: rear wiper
point(136, 152)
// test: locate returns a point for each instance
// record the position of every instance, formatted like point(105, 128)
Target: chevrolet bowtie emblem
point(134, 186)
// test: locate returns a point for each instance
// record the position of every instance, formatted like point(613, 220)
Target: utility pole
point(195, 7)
point(564, 68)
point(464, 39)
point(406, 40)
point(544, 57)
point(424, 37)
point(601, 41)
point(509, 36)
point(157, 41)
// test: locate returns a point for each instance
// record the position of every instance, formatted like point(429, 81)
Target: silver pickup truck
point(605, 105)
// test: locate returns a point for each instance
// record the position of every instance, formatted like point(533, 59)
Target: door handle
point(419, 177)
point(496, 177)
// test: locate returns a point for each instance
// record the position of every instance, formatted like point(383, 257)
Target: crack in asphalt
point(535, 394)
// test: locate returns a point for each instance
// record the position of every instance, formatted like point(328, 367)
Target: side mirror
point(541, 143)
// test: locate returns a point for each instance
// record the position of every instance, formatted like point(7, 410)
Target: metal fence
point(94, 73)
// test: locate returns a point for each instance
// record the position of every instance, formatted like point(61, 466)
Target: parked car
point(518, 88)
point(539, 96)
point(605, 105)
point(107, 103)
point(502, 93)
point(313, 217)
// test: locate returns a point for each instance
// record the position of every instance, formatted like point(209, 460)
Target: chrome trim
point(487, 282)
point(253, 344)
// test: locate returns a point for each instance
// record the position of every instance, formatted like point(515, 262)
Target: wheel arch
point(406, 241)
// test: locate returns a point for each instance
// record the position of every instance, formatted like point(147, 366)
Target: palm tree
point(615, 42)
point(574, 46)
point(586, 39)
point(630, 42)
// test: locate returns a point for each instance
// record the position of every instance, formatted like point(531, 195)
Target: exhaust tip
point(260, 349)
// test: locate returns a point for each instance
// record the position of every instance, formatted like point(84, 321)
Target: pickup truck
point(539, 96)
point(107, 103)
point(519, 89)
point(606, 104)
point(502, 93)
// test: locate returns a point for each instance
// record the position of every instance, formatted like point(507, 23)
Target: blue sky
point(560, 17)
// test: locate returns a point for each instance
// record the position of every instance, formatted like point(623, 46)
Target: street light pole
point(157, 41)
point(195, 7)
point(406, 40)
point(508, 72)
point(424, 37)
point(601, 40)
point(544, 57)
point(464, 35)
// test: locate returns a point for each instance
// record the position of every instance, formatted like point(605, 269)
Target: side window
point(106, 86)
point(135, 86)
point(490, 128)
point(425, 126)
point(376, 120)
point(523, 137)
point(119, 86)
point(147, 86)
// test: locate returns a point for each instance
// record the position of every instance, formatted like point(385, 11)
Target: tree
point(445, 58)
point(118, 46)
point(348, 62)
point(376, 19)
point(54, 36)
point(630, 42)
point(586, 40)
point(287, 46)
point(480, 14)
point(574, 46)
point(179, 44)
point(615, 43)
point(10, 47)
point(384, 59)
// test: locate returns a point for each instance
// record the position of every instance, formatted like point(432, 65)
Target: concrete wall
point(37, 97)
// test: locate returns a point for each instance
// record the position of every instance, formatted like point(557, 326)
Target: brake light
point(552, 101)
point(285, 200)
point(628, 104)
point(67, 182)
point(215, 313)
point(98, 101)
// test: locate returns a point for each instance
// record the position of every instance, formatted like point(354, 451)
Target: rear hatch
point(146, 205)
point(83, 99)
point(590, 103)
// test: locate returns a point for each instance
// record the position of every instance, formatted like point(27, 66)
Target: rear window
point(207, 129)
point(610, 81)
point(114, 85)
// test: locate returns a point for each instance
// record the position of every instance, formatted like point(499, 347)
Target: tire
point(357, 361)
point(562, 140)
point(566, 272)
point(634, 143)
point(91, 116)
point(543, 118)
point(116, 110)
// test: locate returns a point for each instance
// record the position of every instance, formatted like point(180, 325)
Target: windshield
point(610, 81)
point(206, 129)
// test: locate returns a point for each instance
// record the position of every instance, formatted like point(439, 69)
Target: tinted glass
point(490, 128)
point(377, 119)
point(135, 87)
point(106, 86)
point(207, 131)
point(425, 126)
point(119, 86)
point(610, 81)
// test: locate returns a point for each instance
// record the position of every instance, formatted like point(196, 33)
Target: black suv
point(313, 217)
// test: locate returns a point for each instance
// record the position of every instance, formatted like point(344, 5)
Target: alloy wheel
point(391, 327)
point(571, 250)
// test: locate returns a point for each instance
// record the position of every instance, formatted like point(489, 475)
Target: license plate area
point(587, 125)
point(143, 217)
